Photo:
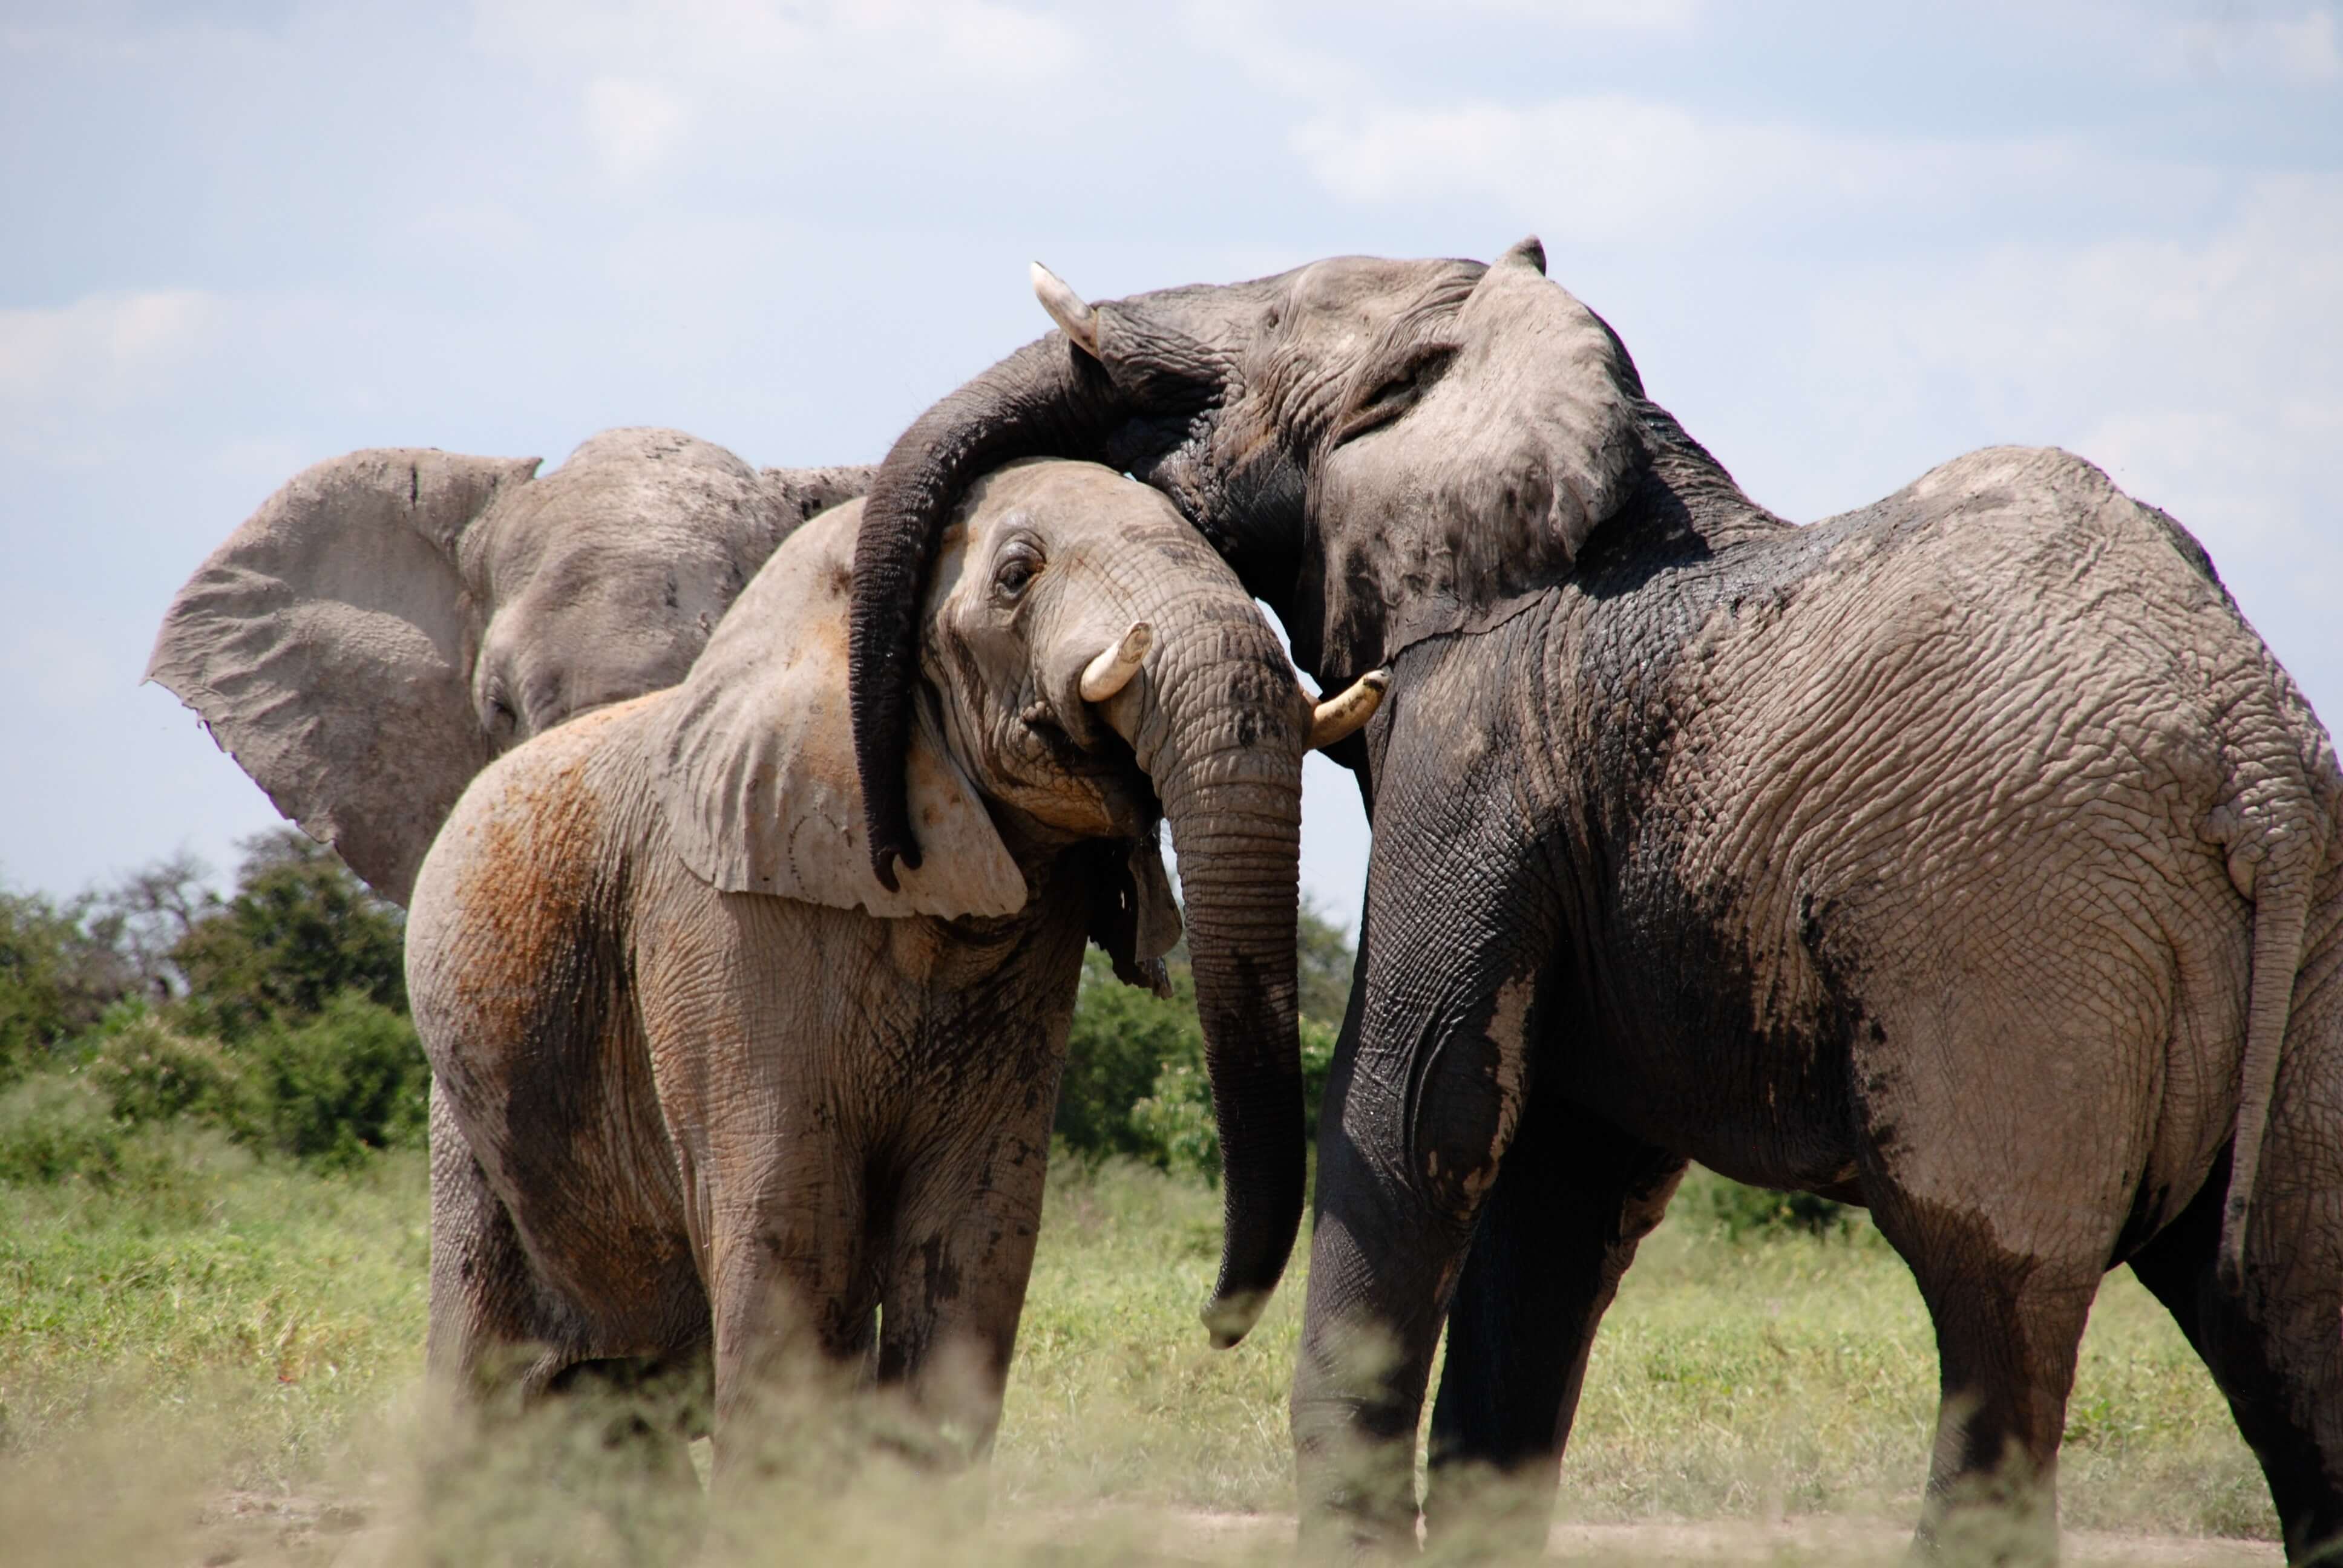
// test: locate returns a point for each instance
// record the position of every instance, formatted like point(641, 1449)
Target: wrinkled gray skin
point(391, 619)
point(1966, 856)
point(700, 1100)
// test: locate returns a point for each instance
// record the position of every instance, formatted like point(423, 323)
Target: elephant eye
point(1019, 565)
point(1395, 391)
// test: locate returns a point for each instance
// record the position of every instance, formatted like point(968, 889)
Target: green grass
point(208, 1333)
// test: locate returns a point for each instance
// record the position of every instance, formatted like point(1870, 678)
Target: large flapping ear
point(328, 647)
point(755, 757)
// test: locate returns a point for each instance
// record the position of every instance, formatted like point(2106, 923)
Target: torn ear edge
point(1134, 920)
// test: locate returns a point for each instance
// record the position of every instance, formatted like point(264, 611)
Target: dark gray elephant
point(1966, 856)
point(722, 1094)
point(391, 619)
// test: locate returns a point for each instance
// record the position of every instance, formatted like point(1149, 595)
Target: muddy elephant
point(1966, 856)
point(391, 619)
point(721, 1091)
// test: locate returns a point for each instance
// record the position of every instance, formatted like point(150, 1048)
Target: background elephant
point(391, 619)
point(719, 1087)
point(1966, 856)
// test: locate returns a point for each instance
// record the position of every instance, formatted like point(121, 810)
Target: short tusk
point(1110, 671)
point(1066, 308)
point(1339, 718)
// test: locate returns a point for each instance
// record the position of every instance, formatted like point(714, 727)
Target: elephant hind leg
point(2285, 1396)
point(2273, 1348)
point(2009, 1331)
point(491, 1326)
point(1574, 1198)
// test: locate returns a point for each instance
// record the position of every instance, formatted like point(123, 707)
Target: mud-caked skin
point(701, 1089)
point(1966, 856)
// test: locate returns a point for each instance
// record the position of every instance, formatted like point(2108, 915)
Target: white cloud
point(634, 124)
point(2302, 48)
point(2205, 375)
point(805, 52)
point(1612, 169)
point(105, 349)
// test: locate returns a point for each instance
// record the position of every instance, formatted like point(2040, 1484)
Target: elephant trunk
point(1220, 729)
point(1050, 398)
point(1044, 398)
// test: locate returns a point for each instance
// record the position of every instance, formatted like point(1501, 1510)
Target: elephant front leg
point(955, 1289)
point(1409, 1148)
point(791, 1298)
point(1574, 1198)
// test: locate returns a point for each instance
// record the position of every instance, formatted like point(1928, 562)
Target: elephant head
point(1382, 449)
point(1087, 665)
point(390, 620)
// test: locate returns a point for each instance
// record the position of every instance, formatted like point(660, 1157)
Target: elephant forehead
point(1361, 284)
point(1058, 494)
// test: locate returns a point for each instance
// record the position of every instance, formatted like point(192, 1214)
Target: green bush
point(1134, 1081)
point(55, 1127)
point(56, 979)
point(327, 1090)
point(148, 1071)
point(1174, 1124)
point(1747, 1214)
point(300, 930)
point(1117, 1045)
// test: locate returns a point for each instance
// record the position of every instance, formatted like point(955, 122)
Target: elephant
point(391, 619)
point(1966, 856)
point(717, 1093)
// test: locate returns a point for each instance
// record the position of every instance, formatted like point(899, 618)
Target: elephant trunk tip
point(1231, 1315)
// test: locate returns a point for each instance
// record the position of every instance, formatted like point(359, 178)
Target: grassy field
point(217, 1358)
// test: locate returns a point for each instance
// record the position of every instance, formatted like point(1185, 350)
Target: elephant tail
point(2277, 869)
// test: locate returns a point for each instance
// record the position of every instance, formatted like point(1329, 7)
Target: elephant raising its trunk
point(1966, 856)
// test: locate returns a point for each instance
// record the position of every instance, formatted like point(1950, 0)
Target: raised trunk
point(1045, 398)
point(1049, 399)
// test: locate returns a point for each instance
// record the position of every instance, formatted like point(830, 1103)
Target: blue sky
point(1845, 242)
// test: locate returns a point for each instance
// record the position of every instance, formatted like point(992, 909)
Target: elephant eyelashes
point(1017, 570)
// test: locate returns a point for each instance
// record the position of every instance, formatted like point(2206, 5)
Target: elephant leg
point(1576, 1196)
point(954, 1289)
point(1402, 1178)
point(2008, 1331)
point(791, 1298)
point(2282, 1385)
point(489, 1324)
point(2274, 1350)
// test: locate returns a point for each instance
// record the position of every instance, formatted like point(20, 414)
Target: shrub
point(55, 1127)
point(1174, 1124)
point(1119, 1041)
point(148, 1071)
point(1752, 1212)
point(301, 930)
point(327, 1089)
point(56, 979)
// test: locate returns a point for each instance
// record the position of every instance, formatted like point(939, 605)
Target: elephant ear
point(755, 757)
point(1522, 434)
point(1134, 919)
point(327, 646)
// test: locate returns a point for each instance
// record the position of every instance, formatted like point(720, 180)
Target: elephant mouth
point(1101, 769)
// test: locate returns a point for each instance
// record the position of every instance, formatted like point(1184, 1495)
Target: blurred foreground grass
point(214, 1357)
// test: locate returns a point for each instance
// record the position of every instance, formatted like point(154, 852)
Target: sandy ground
point(249, 1528)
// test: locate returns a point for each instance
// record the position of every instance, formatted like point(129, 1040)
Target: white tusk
point(1066, 308)
point(1110, 671)
point(1339, 718)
